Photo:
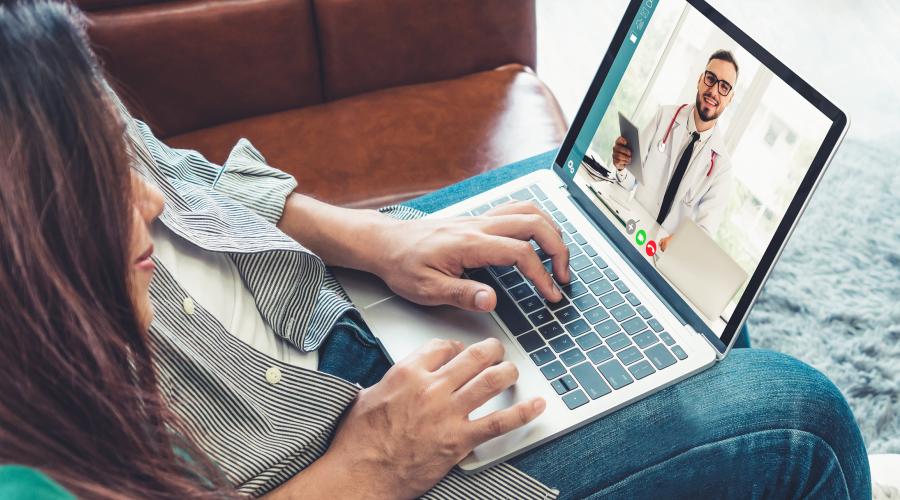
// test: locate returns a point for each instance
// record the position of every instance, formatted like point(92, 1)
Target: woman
point(80, 398)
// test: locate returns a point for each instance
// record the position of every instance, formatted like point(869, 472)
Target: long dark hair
point(78, 390)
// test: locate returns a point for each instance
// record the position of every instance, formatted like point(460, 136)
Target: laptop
point(700, 269)
point(624, 331)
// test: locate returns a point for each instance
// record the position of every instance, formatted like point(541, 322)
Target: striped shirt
point(260, 420)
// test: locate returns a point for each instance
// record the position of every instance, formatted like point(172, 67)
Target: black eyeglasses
point(711, 80)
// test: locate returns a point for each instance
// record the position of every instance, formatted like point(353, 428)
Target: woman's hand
point(406, 432)
point(422, 260)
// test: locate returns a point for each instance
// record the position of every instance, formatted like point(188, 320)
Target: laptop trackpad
point(403, 327)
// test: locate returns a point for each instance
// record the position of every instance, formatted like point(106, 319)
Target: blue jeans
point(758, 424)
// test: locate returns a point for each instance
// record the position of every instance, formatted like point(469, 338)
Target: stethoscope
point(661, 145)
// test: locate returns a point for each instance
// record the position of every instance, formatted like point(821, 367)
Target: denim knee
point(799, 397)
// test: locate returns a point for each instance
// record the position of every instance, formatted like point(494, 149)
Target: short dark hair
point(727, 56)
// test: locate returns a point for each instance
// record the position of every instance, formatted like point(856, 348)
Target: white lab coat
point(701, 197)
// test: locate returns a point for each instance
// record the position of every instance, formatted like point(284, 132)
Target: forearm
point(328, 477)
point(340, 236)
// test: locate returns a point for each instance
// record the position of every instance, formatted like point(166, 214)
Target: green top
point(17, 481)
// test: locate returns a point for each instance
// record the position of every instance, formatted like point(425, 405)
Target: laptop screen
point(696, 150)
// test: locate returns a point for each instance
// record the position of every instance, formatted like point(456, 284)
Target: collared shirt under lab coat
point(702, 197)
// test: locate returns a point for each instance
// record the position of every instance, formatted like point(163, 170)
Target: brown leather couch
point(365, 102)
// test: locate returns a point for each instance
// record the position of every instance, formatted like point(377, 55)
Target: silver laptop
point(625, 331)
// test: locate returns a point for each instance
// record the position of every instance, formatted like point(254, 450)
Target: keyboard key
point(506, 308)
point(622, 312)
point(660, 356)
point(574, 250)
point(548, 265)
point(607, 328)
point(566, 238)
point(559, 216)
point(566, 314)
point(667, 338)
point(597, 315)
point(599, 354)
point(590, 275)
point(585, 302)
point(512, 279)
point(631, 298)
point(519, 292)
point(577, 327)
point(572, 357)
point(574, 289)
point(569, 228)
point(480, 210)
point(655, 325)
point(569, 382)
point(541, 253)
point(562, 343)
point(575, 399)
point(530, 304)
point(550, 330)
point(679, 352)
point(590, 380)
point(501, 270)
point(618, 341)
point(563, 302)
point(530, 341)
point(540, 317)
point(630, 355)
point(500, 201)
point(611, 300)
point(588, 342)
point(615, 374)
point(641, 369)
point(553, 370)
point(550, 206)
point(579, 263)
point(559, 387)
point(589, 250)
point(622, 286)
point(611, 275)
point(601, 287)
point(634, 325)
point(538, 192)
point(644, 312)
point(645, 339)
point(542, 356)
point(600, 262)
point(579, 239)
point(521, 195)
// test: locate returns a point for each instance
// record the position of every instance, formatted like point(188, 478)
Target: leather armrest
point(375, 44)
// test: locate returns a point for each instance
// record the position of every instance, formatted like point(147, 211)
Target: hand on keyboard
point(423, 260)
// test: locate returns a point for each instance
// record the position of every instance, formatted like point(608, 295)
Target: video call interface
point(694, 149)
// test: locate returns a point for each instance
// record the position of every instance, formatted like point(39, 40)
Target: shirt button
point(273, 375)
point(188, 306)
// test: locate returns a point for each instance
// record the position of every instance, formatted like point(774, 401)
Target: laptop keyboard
point(599, 338)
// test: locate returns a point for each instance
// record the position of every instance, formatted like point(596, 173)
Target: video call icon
point(631, 226)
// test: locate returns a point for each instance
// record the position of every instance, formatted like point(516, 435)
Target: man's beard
point(703, 114)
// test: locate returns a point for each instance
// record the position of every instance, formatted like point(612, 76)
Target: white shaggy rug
point(833, 299)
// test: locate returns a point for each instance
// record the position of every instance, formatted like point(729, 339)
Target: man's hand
point(664, 243)
point(406, 432)
point(422, 260)
point(621, 153)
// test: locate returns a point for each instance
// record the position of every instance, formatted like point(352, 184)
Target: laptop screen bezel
point(833, 137)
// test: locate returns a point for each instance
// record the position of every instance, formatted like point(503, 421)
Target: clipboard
point(631, 134)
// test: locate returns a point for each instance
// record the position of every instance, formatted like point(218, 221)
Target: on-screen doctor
point(687, 170)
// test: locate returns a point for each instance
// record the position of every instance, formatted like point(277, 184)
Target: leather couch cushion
point(191, 64)
point(391, 145)
point(374, 44)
